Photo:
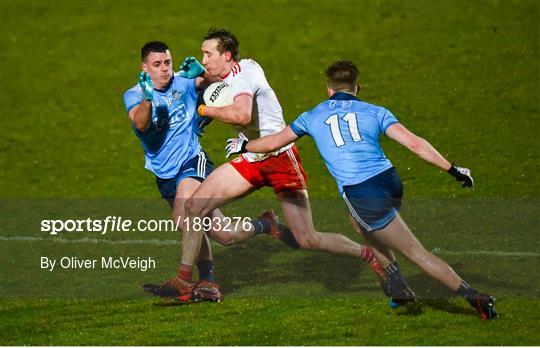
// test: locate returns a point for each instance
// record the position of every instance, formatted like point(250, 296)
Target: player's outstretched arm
point(192, 69)
point(261, 145)
point(423, 149)
point(417, 145)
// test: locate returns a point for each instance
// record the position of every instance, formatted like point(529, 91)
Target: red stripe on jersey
point(236, 69)
point(233, 70)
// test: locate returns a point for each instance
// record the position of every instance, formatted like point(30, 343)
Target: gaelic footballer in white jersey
point(255, 111)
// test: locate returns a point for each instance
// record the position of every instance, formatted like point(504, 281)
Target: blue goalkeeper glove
point(190, 68)
point(145, 82)
point(462, 175)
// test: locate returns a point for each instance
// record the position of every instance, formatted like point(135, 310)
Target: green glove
point(145, 82)
point(191, 68)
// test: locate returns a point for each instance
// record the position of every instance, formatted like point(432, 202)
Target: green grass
point(464, 75)
point(328, 321)
point(273, 296)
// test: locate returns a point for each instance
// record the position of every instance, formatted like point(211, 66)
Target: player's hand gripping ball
point(217, 94)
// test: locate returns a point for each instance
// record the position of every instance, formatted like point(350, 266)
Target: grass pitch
point(463, 75)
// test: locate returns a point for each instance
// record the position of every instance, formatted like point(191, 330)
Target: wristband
point(453, 170)
point(200, 109)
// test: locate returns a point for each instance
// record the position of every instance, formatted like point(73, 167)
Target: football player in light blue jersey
point(346, 131)
point(162, 109)
point(168, 139)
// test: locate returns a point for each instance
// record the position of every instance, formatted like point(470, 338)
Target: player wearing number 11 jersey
point(344, 118)
point(346, 131)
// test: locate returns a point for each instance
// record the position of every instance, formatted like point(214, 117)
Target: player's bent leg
point(222, 186)
point(398, 237)
point(177, 287)
point(297, 211)
point(383, 253)
point(226, 234)
point(184, 191)
point(393, 283)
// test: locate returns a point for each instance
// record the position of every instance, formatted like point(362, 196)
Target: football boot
point(207, 291)
point(173, 288)
point(279, 230)
point(485, 306)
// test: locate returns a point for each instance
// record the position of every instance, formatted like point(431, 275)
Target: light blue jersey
point(171, 139)
point(346, 131)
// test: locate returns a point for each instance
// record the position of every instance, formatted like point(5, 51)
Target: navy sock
point(206, 270)
point(261, 226)
point(466, 291)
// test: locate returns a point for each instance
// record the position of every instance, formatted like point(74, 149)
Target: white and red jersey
point(247, 77)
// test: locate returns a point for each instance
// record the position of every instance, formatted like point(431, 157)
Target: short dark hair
point(153, 46)
point(342, 75)
point(226, 42)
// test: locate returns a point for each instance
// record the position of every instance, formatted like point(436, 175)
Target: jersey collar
point(234, 69)
point(343, 96)
point(166, 87)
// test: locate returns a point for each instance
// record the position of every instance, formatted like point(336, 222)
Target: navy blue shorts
point(375, 202)
point(199, 167)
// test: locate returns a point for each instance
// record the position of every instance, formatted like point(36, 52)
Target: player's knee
point(308, 242)
point(189, 206)
point(224, 238)
point(192, 208)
